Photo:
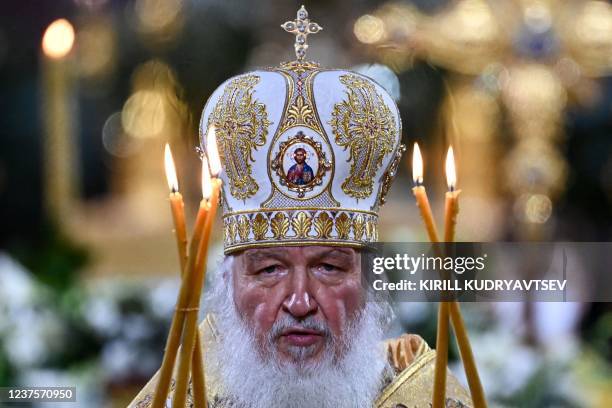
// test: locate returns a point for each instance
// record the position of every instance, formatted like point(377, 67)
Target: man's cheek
point(263, 317)
point(340, 303)
point(332, 307)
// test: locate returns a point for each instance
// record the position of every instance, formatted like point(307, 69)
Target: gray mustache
point(308, 323)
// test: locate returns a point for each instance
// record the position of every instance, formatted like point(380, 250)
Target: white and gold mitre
point(308, 153)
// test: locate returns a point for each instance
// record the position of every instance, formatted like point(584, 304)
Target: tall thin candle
point(176, 328)
point(421, 195)
point(210, 188)
point(180, 230)
point(177, 207)
point(465, 349)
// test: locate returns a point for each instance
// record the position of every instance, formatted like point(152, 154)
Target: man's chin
point(300, 355)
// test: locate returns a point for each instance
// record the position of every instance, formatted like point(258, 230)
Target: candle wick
point(173, 190)
point(451, 188)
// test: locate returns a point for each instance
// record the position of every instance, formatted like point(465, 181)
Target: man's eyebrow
point(260, 255)
point(336, 253)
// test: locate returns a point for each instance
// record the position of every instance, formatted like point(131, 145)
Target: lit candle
point(210, 189)
point(451, 208)
point(178, 215)
point(60, 144)
point(182, 305)
point(421, 195)
point(177, 207)
point(446, 308)
point(465, 349)
point(442, 335)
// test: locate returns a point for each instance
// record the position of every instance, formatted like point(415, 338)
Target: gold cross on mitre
point(301, 27)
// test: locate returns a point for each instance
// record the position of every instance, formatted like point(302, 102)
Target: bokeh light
point(58, 39)
point(159, 17)
point(143, 114)
point(538, 18)
point(594, 24)
point(114, 139)
point(96, 51)
point(471, 21)
point(369, 29)
point(533, 208)
point(535, 165)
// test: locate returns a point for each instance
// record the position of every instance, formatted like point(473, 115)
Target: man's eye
point(269, 269)
point(328, 267)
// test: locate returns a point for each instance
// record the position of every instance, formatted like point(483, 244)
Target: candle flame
point(206, 180)
point(451, 173)
point(170, 170)
point(212, 152)
point(58, 39)
point(417, 165)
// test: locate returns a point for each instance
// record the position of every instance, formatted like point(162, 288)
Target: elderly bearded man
point(289, 323)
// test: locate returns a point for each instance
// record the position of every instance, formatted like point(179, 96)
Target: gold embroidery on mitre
point(260, 227)
point(370, 229)
point(364, 124)
point(280, 225)
point(390, 174)
point(343, 226)
point(301, 224)
point(299, 67)
point(300, 113)
point(300, 109)
point(241, 124)
point(296, 225)
point(244, 227)
point(323, 225)
point(358, 226)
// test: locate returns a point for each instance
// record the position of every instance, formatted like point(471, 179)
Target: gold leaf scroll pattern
point(241, 124)
point(300, 113)
point(300, 108)
point(363, 124)
point(301, 224)
point(244, 227)
point(343, 226)
point(280, 225)
point(370, 230)
point(323, 225)
point(260, 227)
point(358, 226)
point(238, 227)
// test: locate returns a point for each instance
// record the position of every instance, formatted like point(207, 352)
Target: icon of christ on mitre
point(308, 156)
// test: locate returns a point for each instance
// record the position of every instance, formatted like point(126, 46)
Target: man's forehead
point(306, 251)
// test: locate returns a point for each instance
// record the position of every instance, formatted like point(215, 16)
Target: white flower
point(34, 336)
point(118, 358)
point(17, 287)
point(162, 298)
point(136, 327)
point(103, 315)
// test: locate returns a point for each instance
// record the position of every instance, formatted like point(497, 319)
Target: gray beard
point(349, 374)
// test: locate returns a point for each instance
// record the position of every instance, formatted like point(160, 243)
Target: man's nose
point(298, 302)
